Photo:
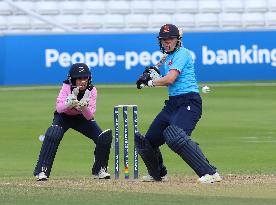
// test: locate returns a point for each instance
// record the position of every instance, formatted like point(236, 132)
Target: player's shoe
point(206, 179)
point(217, 177)
point(149, 178)
point(102, 174)
point(209, 179)
point(41, 177)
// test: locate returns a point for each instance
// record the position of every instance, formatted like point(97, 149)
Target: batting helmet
point(169, 31)
point(79, 70)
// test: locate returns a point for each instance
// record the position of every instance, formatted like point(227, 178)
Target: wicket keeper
point(75, 108)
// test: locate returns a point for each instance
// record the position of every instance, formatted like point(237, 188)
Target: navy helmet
point(169, 31)
point(79, 70)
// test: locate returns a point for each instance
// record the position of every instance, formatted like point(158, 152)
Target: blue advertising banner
point(45, 59)
point(233, 56)
point(121, 58)
point(2, 60)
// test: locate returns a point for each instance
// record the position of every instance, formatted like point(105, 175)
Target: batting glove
point(151, 69)
point(143, 80)
point(154, 72)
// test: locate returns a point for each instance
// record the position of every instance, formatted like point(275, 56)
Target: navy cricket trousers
point(88, 128)
point(182, 110)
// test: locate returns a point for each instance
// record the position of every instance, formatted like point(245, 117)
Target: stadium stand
point(270, 19)
point(230, 20)
point(271, 4)
point(70, 7)
point(90, 21)
point(164, 7)
point(141, 7)
point(39, 25)
point(232, 6)
point(158, 19)
point(3, 23)
point(46, 7)
point(19, 22)
point(184, 20)
point(118, 7)
point(94, 7)
point(113, 21)
point(255, 6)
point(188, 6)
point(31, 16)
point(137, 21)
point(67, 20)
point(207, 20)
point(209, 6)
point(5, 9)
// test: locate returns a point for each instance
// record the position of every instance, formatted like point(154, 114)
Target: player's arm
point(156, 80)
point(167, 79)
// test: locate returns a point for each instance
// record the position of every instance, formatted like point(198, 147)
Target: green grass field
point(237, 132)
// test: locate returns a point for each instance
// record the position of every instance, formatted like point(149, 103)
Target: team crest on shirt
point(170, 62)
